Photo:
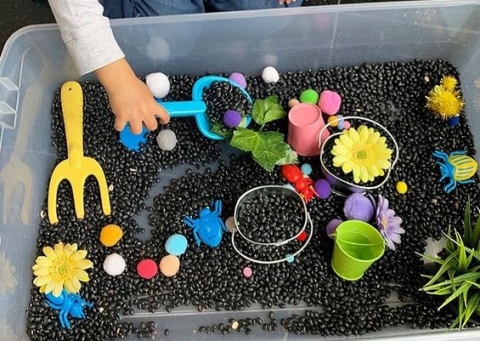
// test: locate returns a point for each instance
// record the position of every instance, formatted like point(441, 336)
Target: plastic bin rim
point(246, 14)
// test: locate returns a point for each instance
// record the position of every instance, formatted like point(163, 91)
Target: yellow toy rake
point(77, 168)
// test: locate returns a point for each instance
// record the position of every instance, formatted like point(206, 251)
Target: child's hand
point(130, 98)
point(281, 2)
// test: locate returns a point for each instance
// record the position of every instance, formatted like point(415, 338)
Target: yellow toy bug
point(457, 167)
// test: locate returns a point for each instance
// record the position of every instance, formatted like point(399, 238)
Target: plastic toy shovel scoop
point(195, 108)
point(77, 168)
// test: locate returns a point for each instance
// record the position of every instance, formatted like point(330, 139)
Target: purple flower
point(388, 223)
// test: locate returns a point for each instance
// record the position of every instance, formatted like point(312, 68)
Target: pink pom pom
point(346, 125)
point(329, 102)
point(239, 79)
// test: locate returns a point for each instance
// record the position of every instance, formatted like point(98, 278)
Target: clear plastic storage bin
point(35, 62)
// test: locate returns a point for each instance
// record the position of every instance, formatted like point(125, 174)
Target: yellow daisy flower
point(62, 267)
point(364, 152)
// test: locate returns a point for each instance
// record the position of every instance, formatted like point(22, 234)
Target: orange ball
point(169, 265)
point(111, 235)
point(333, 120)
point(293, 102)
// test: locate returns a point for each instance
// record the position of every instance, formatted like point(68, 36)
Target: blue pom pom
point(454, 121)
point(306, 169)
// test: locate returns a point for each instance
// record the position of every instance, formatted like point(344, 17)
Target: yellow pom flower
point(449, 83)
point(444, 103)
point(364, 152)
point(62, 267)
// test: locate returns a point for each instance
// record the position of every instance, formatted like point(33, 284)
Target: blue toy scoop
point(194, 108)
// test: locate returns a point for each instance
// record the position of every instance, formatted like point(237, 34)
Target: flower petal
point(42, 280)
point(57, 289)
point(44, 261)
point(347, 167)
point(78, 255)
point(42, 271)
point(59, 250)
point(84, 264)
point(81, 275)
point(49, 252)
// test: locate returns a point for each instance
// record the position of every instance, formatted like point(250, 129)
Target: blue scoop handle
point(197, 107)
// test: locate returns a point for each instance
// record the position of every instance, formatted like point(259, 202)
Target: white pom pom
point(114, 264)
point(166, 139)
point(270, 75)
point(158, 84)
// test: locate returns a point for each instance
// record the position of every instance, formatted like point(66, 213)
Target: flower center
point(384, 222)
point(361, 154)
point(63, 268)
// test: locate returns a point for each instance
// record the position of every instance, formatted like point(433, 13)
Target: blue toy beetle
point(209, 226)
point(68, 304)
point(457, 167)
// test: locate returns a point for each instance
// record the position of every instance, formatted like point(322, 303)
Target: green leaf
point(218, 129)
point(447, 265)
point(476, 232)
point(469, 276)
point(467, 233)
point(431, 258)
point(245, 139)
point(470, 309)
point(461, 290)
point(271, 99)
point(449, 244)
point(269, 150)
point(462, 254)
point(290, 158)
point(258, 111)
point(275, 113)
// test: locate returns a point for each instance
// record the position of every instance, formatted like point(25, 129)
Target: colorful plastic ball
point(169, 265)
point(341, 122)
point(166, 139)
point(290, 258)
point(309, 96)
point(147, 268)
point(247, 272)
point(332, 226)
point(239, 79)
point(158, 84)
point(114, 264)
point(110, 235)
point(270, 75)
point(452, 122)
point(176, 244)
point(293, 102)
point(303, 236)
point(401, 187)
point(230, 224)
point(333, 121)
point(329, 102)
point(306, 169)
point(359, 207)
point(323, 188)
point(232, 118)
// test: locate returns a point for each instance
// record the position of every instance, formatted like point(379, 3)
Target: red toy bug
point(302, 183)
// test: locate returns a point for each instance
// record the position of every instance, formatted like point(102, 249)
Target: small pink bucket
point(305, 122)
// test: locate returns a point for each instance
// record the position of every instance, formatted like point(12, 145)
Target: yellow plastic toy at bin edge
point(77, 167)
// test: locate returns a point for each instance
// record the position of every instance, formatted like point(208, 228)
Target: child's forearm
point(87, 33)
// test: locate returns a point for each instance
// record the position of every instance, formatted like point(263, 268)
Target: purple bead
point(232, 118)
point(239, 79)
point(332, 226)
point(323, 188)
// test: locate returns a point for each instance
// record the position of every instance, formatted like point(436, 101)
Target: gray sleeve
point(87, 33)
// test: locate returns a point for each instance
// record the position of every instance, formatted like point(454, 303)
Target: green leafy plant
point(268, 148)
point(458, 276)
